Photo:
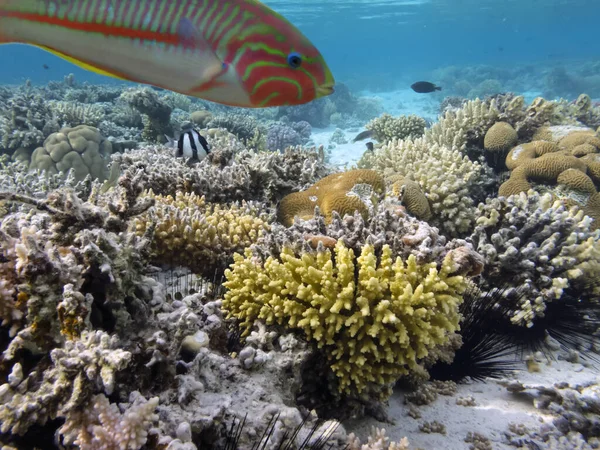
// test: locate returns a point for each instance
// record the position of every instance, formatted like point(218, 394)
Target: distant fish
point(45, 66)
point(190, 144)
point(369, 146)
point(363, 135)
point(234, 52)
point(424, 87)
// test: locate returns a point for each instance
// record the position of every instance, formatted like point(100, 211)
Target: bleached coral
point(230, 173)
point(103, 427)
point(78, 369)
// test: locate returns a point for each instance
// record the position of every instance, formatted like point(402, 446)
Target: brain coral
point(342, 192)
point(82, 149)
point(373, 317)
point(500, 137)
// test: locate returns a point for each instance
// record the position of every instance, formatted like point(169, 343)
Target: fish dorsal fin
point(82, 64)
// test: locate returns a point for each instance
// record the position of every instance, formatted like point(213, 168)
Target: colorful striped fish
point(234, 52)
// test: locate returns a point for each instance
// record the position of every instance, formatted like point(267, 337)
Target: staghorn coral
point(346, 192)
point(386, 127)
point(444, 175)
point(81, 149)
point(229, 173)
point(243, 126)
point(201, 236)
point(536, 245)
point(103, 426)
point(373, 317)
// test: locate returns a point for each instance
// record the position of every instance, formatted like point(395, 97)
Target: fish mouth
point(325, 90)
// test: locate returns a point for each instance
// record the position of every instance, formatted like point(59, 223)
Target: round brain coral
point(500, 137)
point(344, 192)
point(373, 316)
point(82, 149)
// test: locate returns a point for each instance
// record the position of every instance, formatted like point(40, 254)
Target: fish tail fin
point(437, 88)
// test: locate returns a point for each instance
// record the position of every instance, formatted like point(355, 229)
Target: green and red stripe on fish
point(235, 52)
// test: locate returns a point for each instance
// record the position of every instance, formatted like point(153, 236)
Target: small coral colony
point(178, 274)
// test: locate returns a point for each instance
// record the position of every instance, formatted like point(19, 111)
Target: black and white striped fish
point(190, 144)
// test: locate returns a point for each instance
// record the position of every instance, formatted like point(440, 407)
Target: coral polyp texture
point(271, 294)
point(344, 193)
point(374, 316)
point(188, 231)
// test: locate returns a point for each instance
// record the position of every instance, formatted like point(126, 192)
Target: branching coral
point(201, 236)
point(536, 245)
point(79, 368)
point(156, 113)
point(230, 173)
point(386, 127)
point(444, 175)
point(103, 426)
point(373, 317)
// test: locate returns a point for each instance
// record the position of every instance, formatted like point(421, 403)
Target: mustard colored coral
point(373, 316)
point(199, 235)
point(500, 137)
point(346, 192)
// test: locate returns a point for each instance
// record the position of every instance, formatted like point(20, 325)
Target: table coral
point(373, 317)
point(200, 235)
point(81, 149)
point(346, 192)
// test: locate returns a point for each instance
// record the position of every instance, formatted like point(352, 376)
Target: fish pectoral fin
point(203, 60)
point(82, 64)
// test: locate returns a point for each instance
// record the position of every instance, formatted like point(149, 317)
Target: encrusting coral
point(201, 236)
point(373, 316)
point(346, 192)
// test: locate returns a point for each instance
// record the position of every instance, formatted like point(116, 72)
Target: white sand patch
point(496, 408)
point(340, 155)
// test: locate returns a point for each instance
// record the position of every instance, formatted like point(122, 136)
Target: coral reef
point(386, 127)
point(230, 173)
point(355, 190)
point(82, 150)
point(374, 318)
point(537, 246)
point(197, 235)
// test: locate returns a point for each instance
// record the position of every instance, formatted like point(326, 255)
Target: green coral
point(373, 317)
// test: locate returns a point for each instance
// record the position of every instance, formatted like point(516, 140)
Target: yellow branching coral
point(374, 317)
point(200, 235)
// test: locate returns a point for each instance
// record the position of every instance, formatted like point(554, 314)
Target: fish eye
point(294, 60)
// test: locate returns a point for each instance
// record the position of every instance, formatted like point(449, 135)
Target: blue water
point(398, 41)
